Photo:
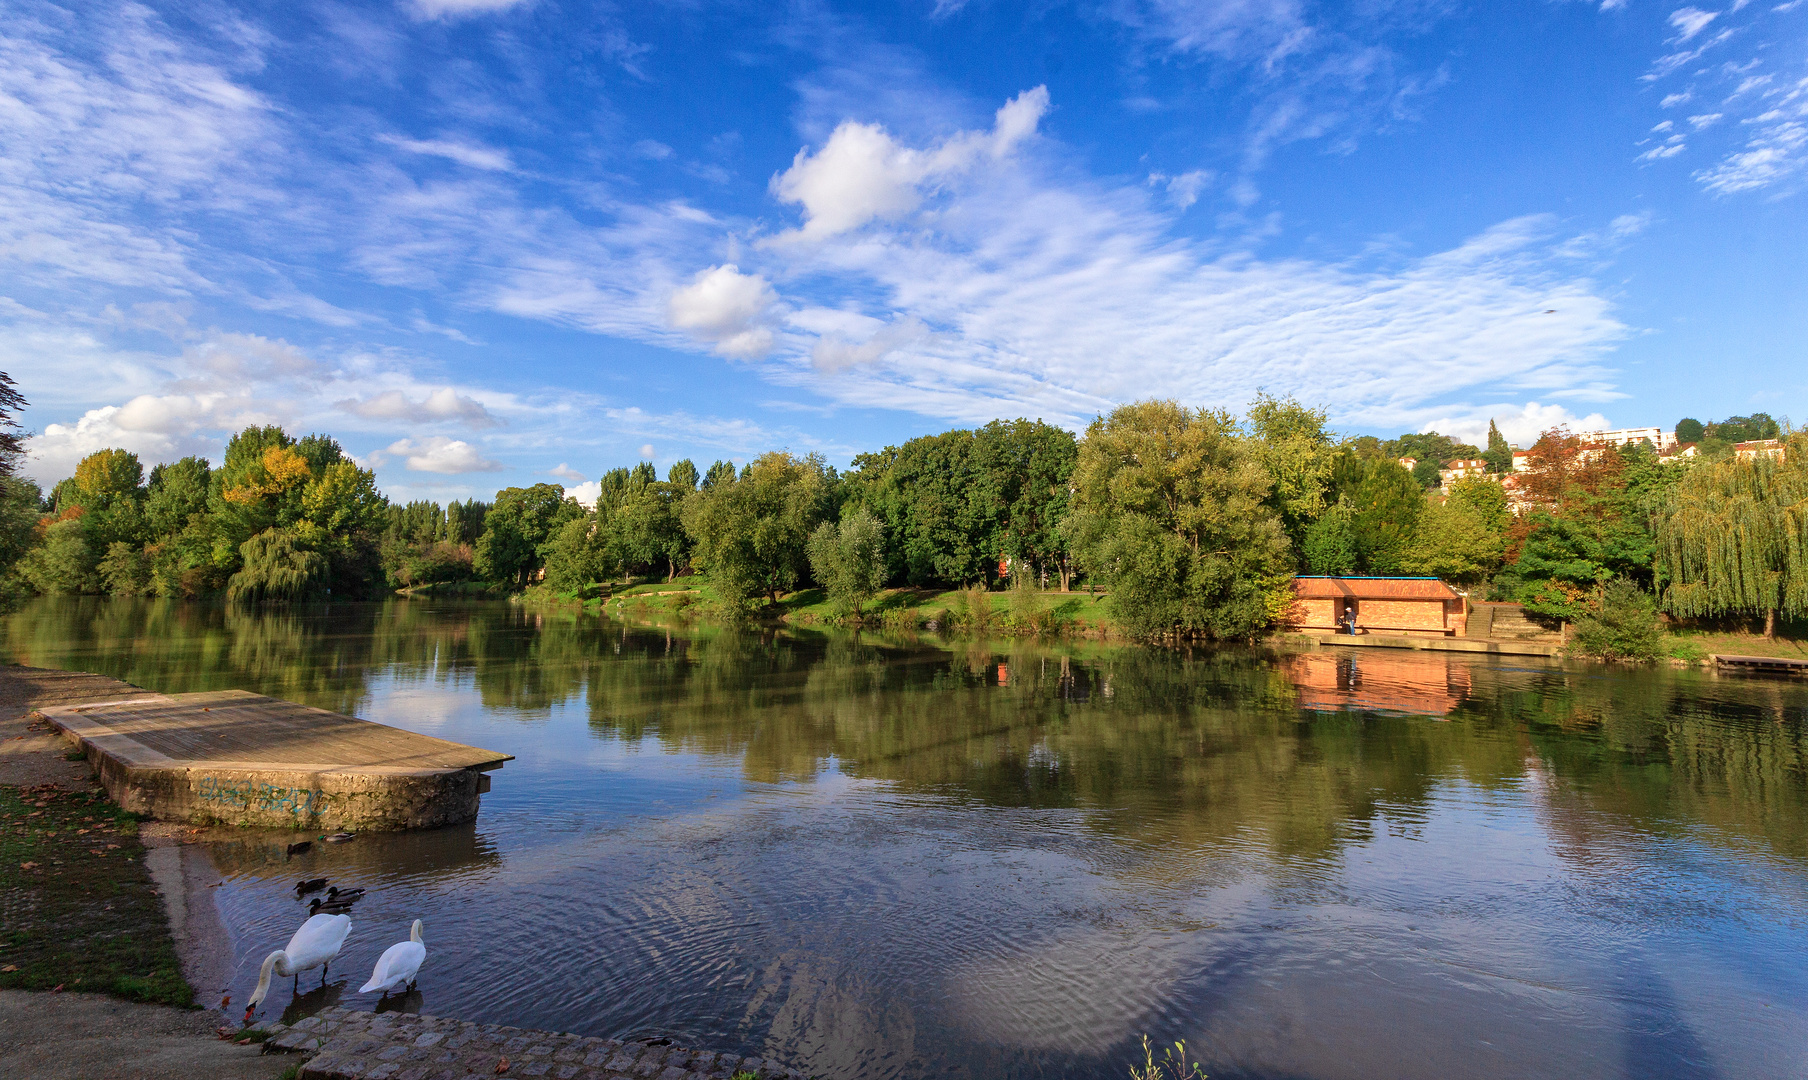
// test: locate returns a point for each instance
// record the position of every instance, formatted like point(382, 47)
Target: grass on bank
point(78, 910)
point(970, 611)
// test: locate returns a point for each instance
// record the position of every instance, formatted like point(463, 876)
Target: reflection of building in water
point(1391, 682)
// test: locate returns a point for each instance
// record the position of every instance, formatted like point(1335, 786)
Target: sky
point(487, 243)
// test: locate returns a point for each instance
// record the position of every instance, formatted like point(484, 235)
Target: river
point(874, 857)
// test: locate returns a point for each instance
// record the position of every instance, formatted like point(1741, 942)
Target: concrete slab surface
point(237, 758)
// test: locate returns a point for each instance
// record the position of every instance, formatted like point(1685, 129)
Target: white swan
point(399, 964)
point(313, 946)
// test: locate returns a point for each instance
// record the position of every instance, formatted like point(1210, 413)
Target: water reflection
point(881, 857)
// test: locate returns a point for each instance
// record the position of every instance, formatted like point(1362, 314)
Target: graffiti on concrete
point(252, 795)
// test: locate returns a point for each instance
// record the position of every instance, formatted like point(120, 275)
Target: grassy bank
point(966, 611)
point(80, 912)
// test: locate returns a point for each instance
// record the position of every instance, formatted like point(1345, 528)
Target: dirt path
point(74, 1036)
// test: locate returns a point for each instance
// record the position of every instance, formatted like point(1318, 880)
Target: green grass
point(77, 907)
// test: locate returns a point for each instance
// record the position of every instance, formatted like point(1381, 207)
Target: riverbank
point(108, 920)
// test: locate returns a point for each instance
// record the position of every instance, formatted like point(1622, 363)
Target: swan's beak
point(249, 1009)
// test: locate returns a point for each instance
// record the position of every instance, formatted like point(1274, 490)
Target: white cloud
point(1690, 21)
point(54, 454)
point(566, 472)
point(1776, 155)
point(652, 149)
point(458, 9)
point(1658, 153)
point(726, 308)
point(586, 493)
point(1679, 98)
point(438, 454)
point(862, 173)
point(1520, 424)
point(1665, 126)
point(1183, 189)
point(444, 403)
point(646, 451)
point(465, 153)
point(1704, 121)
point(833, 352)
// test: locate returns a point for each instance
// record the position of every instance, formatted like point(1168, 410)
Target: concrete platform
point(1485, 646)
point(236, 758)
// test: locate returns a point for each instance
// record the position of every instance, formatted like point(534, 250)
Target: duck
point(399, 965)
point(300, 847)
point(331, 907)
point(336, 895)
point(308, 885)
point(313, 946)
point(339, 837)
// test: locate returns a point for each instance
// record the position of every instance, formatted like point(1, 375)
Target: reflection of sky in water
point(876, 864)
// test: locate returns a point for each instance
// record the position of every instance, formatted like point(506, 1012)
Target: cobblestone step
point(349, 1045)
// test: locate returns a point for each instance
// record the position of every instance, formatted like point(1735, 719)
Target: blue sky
point(487, 242)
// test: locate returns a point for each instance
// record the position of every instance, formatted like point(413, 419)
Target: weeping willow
point(277, 568)
point(1732, 538)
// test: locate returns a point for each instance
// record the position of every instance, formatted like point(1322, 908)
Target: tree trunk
point(1770, 622)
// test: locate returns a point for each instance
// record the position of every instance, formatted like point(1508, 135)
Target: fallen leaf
point(502, 1066)
point(57, 989)
point(10, 967)
point(28, 865)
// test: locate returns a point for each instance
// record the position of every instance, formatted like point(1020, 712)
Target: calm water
point(878, 858)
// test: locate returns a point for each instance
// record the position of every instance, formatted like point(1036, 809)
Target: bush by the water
point(1622, 625)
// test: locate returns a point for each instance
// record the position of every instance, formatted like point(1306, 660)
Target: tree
point(1453, 541)
point(1171, 513)
point(1297, 450)
point(1330, 546)
point(177, 492)
point(1732, 539)
point(1387, 504)
point(276, 566)
point(61, 561)
point(849, 559)
point(751, 533)
point(1689, 430)
point(1499, 454)
point(576, 556)
point(1621, 624)
point(720, 472)
point(1486, 497)
point(646, 530)
point(682, 475)
point(521, 520)
point(12, 440)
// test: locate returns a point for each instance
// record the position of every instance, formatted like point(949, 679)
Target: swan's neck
point(263, 976)
point(415, 934)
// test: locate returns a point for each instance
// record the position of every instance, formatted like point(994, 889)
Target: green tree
point(1330, 545)
point(62, 561)
point(646, 530)
point(682, 475)
point(1732, 539)
point(1387, 504)
point(1621, 624)
point(1171, 513)
point(719, 473)
point(751, 534)
point(521, 520)
point(849, 559)
point(276, 566)
point(125, 570)
point(1453, 541)
point(1486, 497)
point(177, 492)
point(1499, 454)
point(1689, 430)
point(1296, 448)
point(12, 437)
point(576, 555)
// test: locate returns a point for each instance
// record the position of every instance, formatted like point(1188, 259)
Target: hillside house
point(1757, 448)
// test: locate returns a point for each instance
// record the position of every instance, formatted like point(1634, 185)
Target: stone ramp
point(348, 1045)
point(238, 758)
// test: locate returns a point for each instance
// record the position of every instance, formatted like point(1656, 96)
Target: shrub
point(1620, 625)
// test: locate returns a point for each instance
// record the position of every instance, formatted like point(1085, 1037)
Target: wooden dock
point(237, 758)
point(1781, 664)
